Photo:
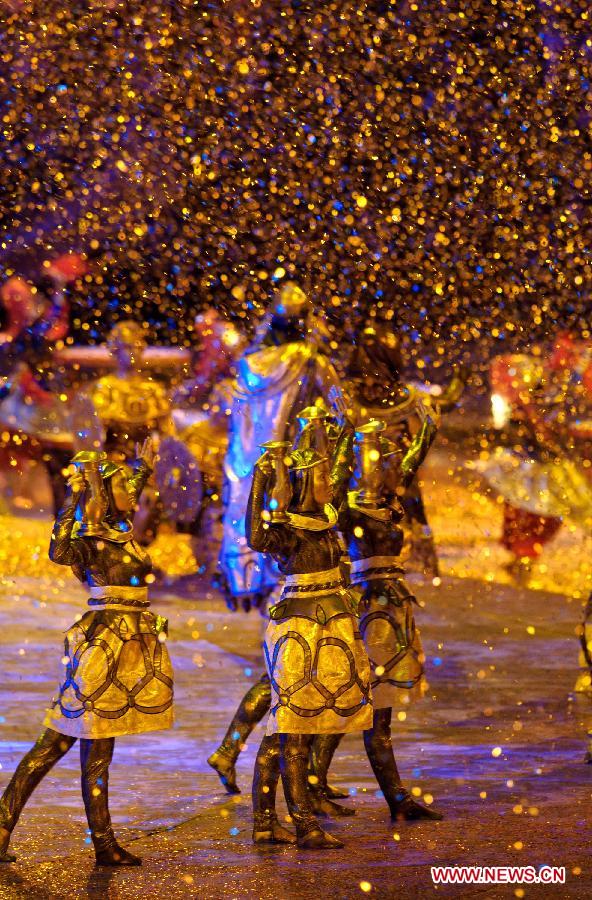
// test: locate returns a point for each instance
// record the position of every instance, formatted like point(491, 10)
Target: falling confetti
point(443, 159)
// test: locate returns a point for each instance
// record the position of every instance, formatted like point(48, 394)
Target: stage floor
point(501, 664)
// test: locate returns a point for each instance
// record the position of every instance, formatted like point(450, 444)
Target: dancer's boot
point(254, 705)
point(379, 748)
point(33, 767)
point(95, 758)
point(294, 768)
point(333, 793)
point(266, 826)
point(321, 754)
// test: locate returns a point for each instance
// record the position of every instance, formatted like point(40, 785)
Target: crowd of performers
point(316, 469)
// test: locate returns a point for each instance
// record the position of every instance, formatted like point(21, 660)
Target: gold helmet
point(377, 355)
point(312, 415)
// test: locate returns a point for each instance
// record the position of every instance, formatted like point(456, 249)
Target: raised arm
point(63, 549)
point(260, 535)
point(137, 481)
point(343, 463)
point(418, 448)
point(450, 396)
point(146, 455)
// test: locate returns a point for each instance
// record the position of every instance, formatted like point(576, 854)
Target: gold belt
point(364, 569)
point(315, 606)
point(323, 590)
point(119, 595)
point(306, 578)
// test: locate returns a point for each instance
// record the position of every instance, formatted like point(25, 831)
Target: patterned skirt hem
point(326, 723)
point(94, 728)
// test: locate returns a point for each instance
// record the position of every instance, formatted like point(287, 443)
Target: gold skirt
point(320, 676)
point(118, 676)
point(387, 625)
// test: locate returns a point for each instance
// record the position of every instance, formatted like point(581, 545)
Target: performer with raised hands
point(369, 522)
point(378, 391)
point(316, 662)
point(118, 677)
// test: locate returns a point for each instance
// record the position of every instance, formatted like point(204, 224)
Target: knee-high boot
point(321, 753)
point(266, 826)
point(294, 752)
point(33, 767)
point(379, 748)
point(254, 705)
point(95, 758)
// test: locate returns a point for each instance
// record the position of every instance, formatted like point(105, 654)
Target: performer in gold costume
point(118, 677)
point(369, 521)
point(131, 406)
point(316, 662)
point(377, 391)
